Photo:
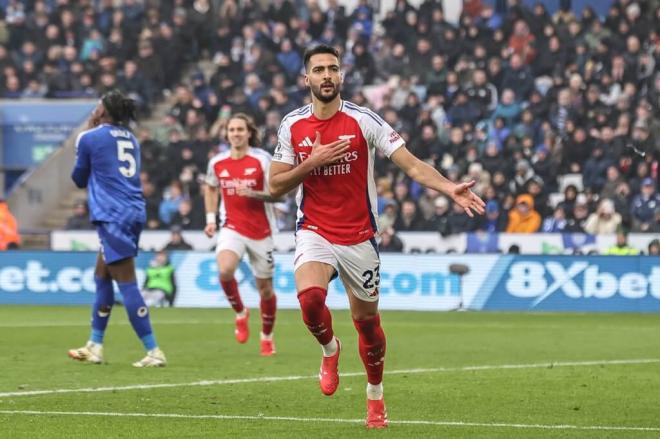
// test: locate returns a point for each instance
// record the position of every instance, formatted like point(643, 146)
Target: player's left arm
point(428, 176)
point(82, 168)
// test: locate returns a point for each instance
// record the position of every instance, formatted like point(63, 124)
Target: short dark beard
point(316, 91)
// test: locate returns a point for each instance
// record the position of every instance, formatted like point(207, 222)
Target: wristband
point(210, 218)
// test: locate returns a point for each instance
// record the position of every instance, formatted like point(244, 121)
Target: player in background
point(327, 150)
point(108, 164)
point(247, 221)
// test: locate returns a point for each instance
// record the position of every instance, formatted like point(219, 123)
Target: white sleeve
point(211, 178)
point(380, 134)
point(284, 151)
point(264, 160)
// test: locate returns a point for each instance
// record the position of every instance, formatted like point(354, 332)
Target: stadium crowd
point(555, 117)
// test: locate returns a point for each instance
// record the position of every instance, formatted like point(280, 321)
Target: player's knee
point(312, 300)
point(266, 291)
point(365, 315)
point(369, 327)
point(226, 275)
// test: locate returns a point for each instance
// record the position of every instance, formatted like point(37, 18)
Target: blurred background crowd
point(555, 116)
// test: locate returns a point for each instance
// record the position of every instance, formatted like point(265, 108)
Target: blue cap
point(648, 181)
point(492, 206)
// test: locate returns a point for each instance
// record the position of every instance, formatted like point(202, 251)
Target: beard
point(317, 91)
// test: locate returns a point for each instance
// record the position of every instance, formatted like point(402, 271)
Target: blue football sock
point(138, 313)
point(105, 298)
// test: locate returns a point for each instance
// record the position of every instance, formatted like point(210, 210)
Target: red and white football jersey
point(338, 201)
point(252, 218)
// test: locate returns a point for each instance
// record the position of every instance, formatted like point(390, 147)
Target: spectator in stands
point(9, 235)
point(654, 248)
point(460, 223)
point(170, 204)
point(188, 218)
point(595, 170)
point(176, 241)
point(604, 220)
point(494, 221)
point(570, 194)
point(621, 248)
point(523, 218)
point(612, 181)
point(579, 217)
point(463, 110)
point(508, 109)
point(390, 242)
point(556, 223)
point(80, 218)
point(426, 203)
point(439, 221)
point(523, 174)
point(644, 206)
point(160, 281)
point(518, 78)
point(389, 215)
point(409, 219)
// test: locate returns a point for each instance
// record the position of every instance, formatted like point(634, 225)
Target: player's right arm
point(82, 168)
point(285, 175)
point(211, 201)
point(211, 205)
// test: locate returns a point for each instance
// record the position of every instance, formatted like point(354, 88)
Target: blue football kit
point(108, 164)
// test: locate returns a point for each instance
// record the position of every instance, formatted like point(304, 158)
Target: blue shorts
point(118, 240)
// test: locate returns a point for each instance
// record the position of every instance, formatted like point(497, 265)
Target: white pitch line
point(336, 420)
point(347, 374)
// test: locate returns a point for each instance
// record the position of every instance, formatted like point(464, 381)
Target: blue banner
point(566, 283)
point(407, 282)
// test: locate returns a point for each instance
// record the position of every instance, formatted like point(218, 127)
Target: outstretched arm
point(428, 176)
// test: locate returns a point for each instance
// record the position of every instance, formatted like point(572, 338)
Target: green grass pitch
point(499, 375)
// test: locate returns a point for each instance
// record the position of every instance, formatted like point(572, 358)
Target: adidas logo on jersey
point(306, 142)
point(224, 173)
point(250, 171)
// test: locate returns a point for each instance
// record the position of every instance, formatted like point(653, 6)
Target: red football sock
point(372, 347)
point(268, 308)
point(233, 296)
point(315, 314)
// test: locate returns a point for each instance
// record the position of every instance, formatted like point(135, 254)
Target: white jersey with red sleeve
point(338, 201)
point(251, 217)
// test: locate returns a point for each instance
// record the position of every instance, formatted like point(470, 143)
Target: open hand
point(326, 154)
point(467, 199)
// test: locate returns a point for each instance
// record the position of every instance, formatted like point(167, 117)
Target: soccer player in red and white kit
point(247, 221)
point(327, 150)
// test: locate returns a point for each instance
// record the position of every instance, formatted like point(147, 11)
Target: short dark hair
point(120, 108)
point(321, 48)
